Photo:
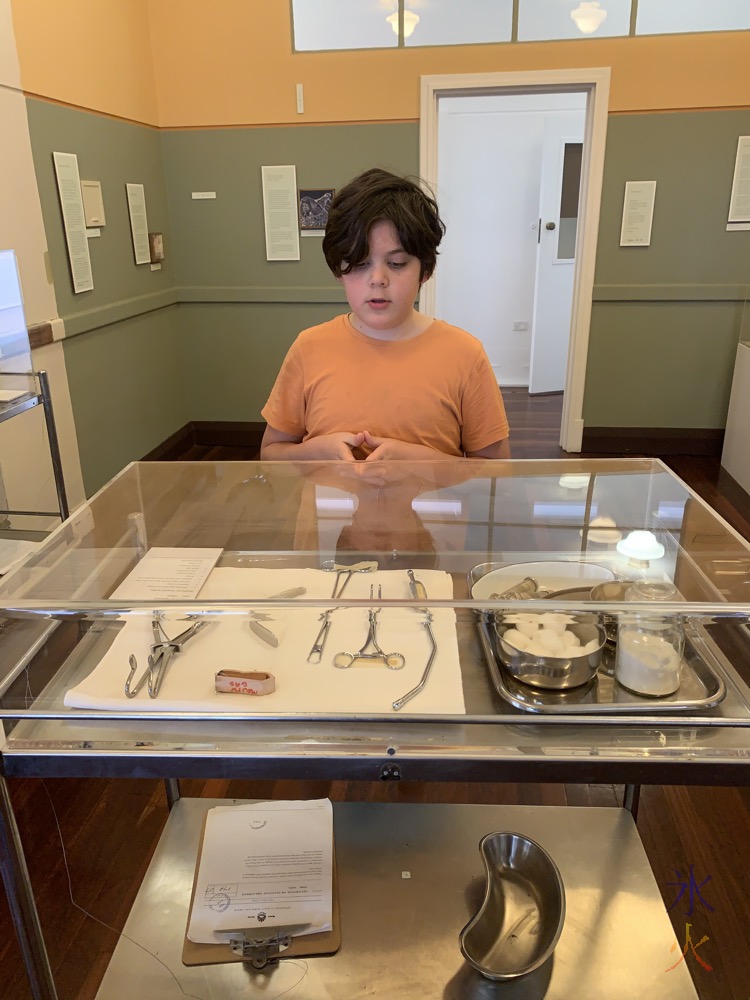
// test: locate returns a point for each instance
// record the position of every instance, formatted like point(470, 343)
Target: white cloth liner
point(188, 685)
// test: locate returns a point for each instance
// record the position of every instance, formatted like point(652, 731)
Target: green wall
point(666, 318)
point(122, 350)
point(128, 391)
point(220, 243)
point(202, 339)
point(239, 312)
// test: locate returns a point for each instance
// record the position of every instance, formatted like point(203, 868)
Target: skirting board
point(642, 441)
point(652, 442)
point(208, 434)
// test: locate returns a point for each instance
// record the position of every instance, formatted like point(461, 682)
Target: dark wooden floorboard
point(110, 828)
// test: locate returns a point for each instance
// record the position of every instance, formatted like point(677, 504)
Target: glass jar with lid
point(650, 646)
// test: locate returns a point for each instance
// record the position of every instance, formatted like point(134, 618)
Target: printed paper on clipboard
point(264, 865)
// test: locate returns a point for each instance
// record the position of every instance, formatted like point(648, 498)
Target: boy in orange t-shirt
point(385, 381)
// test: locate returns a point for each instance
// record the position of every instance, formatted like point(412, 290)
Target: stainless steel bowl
point(521, 917)
point(553, 672)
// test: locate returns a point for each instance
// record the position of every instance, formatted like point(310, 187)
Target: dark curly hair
point(379, 196)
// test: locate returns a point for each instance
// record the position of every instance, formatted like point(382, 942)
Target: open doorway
point(562, 115)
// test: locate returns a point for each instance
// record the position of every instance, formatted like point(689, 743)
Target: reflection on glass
point(656, 17)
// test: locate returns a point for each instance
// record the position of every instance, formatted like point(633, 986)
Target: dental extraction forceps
point(162, 651)
point(394, 661)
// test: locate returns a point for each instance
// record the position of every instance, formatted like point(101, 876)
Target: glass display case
point(16, 377)
point(21, 388)
point(376, 621)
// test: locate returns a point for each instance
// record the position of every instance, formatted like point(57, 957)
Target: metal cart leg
point(21, 902)
point(172, 788)
point(54, 446)
point(632, 798)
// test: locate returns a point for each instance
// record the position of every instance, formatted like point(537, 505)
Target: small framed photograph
point(313, 210)
point(156, 247)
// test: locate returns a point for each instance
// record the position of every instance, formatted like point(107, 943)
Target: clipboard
point(256, 948)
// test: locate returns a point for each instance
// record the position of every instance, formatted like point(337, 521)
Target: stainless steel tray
point(701, 685)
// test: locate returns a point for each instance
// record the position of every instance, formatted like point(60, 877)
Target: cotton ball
point(590, 647)
point(570, 638)
point(528, 628)
point(550, 641)
point(571, 649)
point(553, 622)
point(535, 648)
point(516, 639)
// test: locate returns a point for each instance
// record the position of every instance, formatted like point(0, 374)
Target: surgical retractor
point(371, 650)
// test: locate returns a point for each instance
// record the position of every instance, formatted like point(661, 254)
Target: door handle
point(549, 225)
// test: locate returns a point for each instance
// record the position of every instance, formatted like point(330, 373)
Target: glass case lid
point(487, 524)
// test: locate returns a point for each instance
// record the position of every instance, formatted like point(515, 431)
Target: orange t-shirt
point(436, 389)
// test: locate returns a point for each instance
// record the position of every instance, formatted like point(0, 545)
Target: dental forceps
point(346, 571)
point(162, 651)
point(394, 661)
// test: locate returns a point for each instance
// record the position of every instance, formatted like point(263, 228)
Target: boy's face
point(382, 289)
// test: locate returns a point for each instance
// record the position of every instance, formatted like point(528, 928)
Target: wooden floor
point(110, 828)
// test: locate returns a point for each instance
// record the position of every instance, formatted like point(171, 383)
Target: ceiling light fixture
point(588, 16)
point(411, 20)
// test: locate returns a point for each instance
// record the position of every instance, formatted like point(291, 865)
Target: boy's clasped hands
point(364, 446)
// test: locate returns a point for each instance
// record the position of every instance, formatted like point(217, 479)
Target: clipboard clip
point(266, 950)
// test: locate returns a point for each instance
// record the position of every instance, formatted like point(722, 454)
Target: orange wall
point(90, 53)
point(230, 62)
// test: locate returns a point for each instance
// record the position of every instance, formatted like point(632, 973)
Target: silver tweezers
point(162, 651)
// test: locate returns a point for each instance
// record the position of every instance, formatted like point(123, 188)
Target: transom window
point(380, 24)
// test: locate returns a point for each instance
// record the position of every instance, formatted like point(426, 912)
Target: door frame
point(594, 82)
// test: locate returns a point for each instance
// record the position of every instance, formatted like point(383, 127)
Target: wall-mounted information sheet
point(138, 223)
point(739, 202)
point(71, 204)
point(280, 212)
point(637, 213)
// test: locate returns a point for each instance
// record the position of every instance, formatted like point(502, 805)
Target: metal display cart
point(276, 527)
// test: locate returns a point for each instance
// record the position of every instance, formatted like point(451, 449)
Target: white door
point(490, 164)
point(593, 86)
point(555, 265)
